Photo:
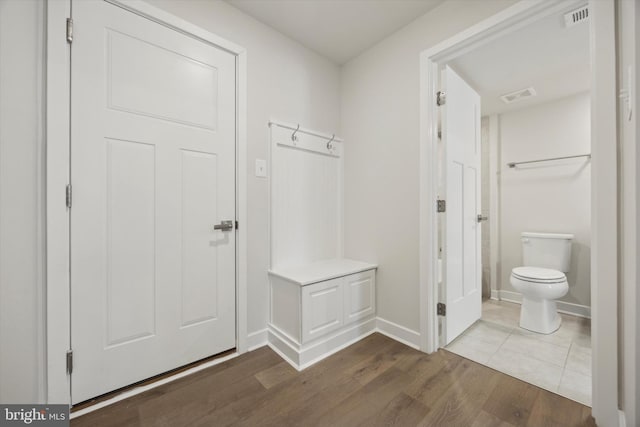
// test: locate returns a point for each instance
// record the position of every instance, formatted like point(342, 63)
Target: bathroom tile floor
point(558, 362)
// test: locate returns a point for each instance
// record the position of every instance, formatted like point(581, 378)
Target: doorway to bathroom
point(535, 174)
point(533, 139)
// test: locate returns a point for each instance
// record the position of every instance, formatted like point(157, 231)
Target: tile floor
point(558, 362)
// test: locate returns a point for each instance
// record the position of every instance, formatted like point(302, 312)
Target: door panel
point(198, 206)
point(153, 170)
point(130, 240)
point(461, 141)
point(135, 87)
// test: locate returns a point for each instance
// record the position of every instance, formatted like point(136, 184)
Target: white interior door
point(461, 141)
point(153, 170)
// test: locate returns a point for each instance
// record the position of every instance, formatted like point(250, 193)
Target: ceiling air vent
point(577, 16)
point(518, 95)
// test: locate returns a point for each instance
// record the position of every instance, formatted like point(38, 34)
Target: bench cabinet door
point(322, 308)
point(359, 296)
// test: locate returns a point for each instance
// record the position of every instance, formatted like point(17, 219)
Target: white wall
point(550, 197)
point(285, 81)
point(21, 202)
point(380, 125)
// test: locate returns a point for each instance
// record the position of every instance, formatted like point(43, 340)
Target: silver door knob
point(482, 218)
point(224, 226)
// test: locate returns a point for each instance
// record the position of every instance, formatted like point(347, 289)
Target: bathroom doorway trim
point(604, 185)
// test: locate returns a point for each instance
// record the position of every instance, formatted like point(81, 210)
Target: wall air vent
point(577, 16)
point(518, 95)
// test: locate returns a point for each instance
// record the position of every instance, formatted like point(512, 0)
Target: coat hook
point(294, 138)
point(329, 147)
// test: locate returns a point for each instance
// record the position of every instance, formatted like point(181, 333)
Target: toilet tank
point(547, 250)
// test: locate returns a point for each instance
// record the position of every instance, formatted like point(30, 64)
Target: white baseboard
point(495, 294)
point(300, 357)
point(399, 333)
point(510, 296)
point(622, 419)
point(563, 307)
point(303, 356)
point(257, 339)
point(574, 309)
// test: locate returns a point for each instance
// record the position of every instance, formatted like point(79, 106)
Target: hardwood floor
point(375, 382)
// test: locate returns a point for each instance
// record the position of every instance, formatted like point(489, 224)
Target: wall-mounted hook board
point(305, 139)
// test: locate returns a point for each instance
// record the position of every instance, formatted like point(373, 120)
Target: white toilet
point(541, 280)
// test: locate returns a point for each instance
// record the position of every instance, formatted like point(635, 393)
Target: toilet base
point(539, 315)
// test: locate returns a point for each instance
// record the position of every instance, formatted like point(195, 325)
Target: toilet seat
point(538, 275)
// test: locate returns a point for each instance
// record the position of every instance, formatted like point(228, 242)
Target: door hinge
point(68, 196)
point(442, 309)
point(441, 98)
point(69, 30)
point(236, 224)
point(70, 362)
point(442, 205)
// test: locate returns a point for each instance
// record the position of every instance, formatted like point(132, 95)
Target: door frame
point(58, 151)
point(604, 186)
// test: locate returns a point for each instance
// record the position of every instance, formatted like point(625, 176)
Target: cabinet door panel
point(359, 296)
point(322, 308)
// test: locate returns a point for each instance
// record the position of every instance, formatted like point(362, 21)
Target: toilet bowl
point(540, 287)
point(542, 279)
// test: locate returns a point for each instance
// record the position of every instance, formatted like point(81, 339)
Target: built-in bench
point(320, 308)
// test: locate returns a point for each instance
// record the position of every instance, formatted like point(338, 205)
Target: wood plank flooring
point(375, 382)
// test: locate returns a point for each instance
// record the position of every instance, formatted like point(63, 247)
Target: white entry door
point(461, 141)
point(153, 171)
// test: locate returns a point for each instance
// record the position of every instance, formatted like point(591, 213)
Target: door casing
point(604, 187)
point(58, 62)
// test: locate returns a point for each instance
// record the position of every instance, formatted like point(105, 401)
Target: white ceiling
point(337, 29)
point(546, 55)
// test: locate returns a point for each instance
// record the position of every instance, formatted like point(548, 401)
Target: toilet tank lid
point(547, 235)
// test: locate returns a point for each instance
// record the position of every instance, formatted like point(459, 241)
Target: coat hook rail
point(297, 129)
point(514, 164)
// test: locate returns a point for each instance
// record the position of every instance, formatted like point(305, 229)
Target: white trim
point(257, 339)
point(494, 203)
point(242, 311)
point(495, 294)
point(563, 307)
point(57, 134)
point(510, 296)
point(622, 419)
point(428, 189)
point(628, 14)
point(398, 333)
point(305, 355)
point(141, 389)
point(604, 212)
point(148, 11)
point(302, 356)
point(58, 329)
point(604, 180)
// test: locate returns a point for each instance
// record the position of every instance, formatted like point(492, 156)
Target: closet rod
point(308, 132)
point(514, 164)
